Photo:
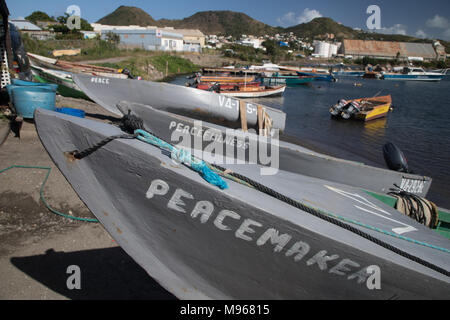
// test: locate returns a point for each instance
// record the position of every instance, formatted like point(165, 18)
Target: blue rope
point(185, 157)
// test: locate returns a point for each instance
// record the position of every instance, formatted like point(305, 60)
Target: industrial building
point(148, 39)
point(390, 50)
point(26, 27)
point(193, 39)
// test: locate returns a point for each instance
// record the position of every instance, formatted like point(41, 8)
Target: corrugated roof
point(388, 49)
point(424, 50)
point(371, 48)
point(24, 25)
point(190, 32)
point(164, 33)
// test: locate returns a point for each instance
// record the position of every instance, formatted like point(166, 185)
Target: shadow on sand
point(105, 274)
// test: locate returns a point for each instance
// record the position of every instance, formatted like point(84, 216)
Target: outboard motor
point(395, 159)
point(353, 108)
point(337, 108)
point(128, 73)
point(215, 87)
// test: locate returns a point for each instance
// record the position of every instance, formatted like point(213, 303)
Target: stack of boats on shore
point(291, 224)
point(48, 70)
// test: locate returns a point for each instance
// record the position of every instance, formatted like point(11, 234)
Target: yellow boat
point(373, 108)
point(364, 109)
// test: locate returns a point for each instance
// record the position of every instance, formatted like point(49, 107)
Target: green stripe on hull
point(64, 90)
point(443, 227)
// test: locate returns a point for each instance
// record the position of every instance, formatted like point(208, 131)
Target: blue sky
point(429, 18)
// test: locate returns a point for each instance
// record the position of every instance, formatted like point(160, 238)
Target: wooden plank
point(243, 115)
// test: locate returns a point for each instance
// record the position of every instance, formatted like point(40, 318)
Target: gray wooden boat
point(201, 242)
point(107, 92)
point(287, 156)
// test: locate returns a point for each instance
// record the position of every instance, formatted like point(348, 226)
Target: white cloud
point(421, 34)
point(291, 18)
point(446, 34)
point(308, 15)
point(438, 22)
point(288, 19)
point(395, 29)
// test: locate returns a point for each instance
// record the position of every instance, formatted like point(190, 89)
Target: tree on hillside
point(85, 26)
point(272, 49)
point(39, 16)
point(112, 38)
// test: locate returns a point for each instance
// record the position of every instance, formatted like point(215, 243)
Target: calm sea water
point(419, 125)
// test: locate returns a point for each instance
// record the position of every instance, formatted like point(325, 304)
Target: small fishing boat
point(372, 75)
point(253, 92)
point(66, 86)
point(277, 79)
point(344, 73)
point(364, 109)
point(108, 92)
point(318, 76)
point(225, 79)
point(414, 74)
point(226, 86)
point(237, 234)
point(74, 67)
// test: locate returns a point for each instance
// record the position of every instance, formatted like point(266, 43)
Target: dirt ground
point(37, 246)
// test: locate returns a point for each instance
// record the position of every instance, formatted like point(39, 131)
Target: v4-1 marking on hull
point(373, 209)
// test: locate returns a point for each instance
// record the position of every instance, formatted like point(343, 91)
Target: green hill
point(125, 15)
point(321, 26)
point(221, 22)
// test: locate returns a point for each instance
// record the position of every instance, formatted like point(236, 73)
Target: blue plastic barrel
point(26, 99)
point(22, 84)
point(19, 82)
point(71, 111)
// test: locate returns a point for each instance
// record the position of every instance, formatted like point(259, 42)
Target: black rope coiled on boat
point(260, 187)
point(415, 207)
point(128, 123)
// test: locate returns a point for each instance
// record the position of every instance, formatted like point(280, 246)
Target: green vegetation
point(90, 48)
point(143, 64)
point(319, 27)
point(65, 33)
point(39, 16)
point(125, 15)
point(175, 64)
point(244, 53)
point(221, 23)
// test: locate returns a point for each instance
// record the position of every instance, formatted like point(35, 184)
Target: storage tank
point(333, 50)
point(322, 49)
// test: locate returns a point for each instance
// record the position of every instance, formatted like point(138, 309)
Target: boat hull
point(379, 111)
point(66, 86)
point(318, 76)
point(266, 92)
point(349, 73)
point(292, 158)
point(108, 92)
point(200, 242)
point(287, 80)
point(405, 77)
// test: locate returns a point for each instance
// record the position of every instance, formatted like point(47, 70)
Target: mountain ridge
point(225, 22)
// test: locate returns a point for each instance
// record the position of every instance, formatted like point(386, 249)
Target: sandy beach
point(37, 246)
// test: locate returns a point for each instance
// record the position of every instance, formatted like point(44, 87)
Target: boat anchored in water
point(414, 74)
point(364, 109)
